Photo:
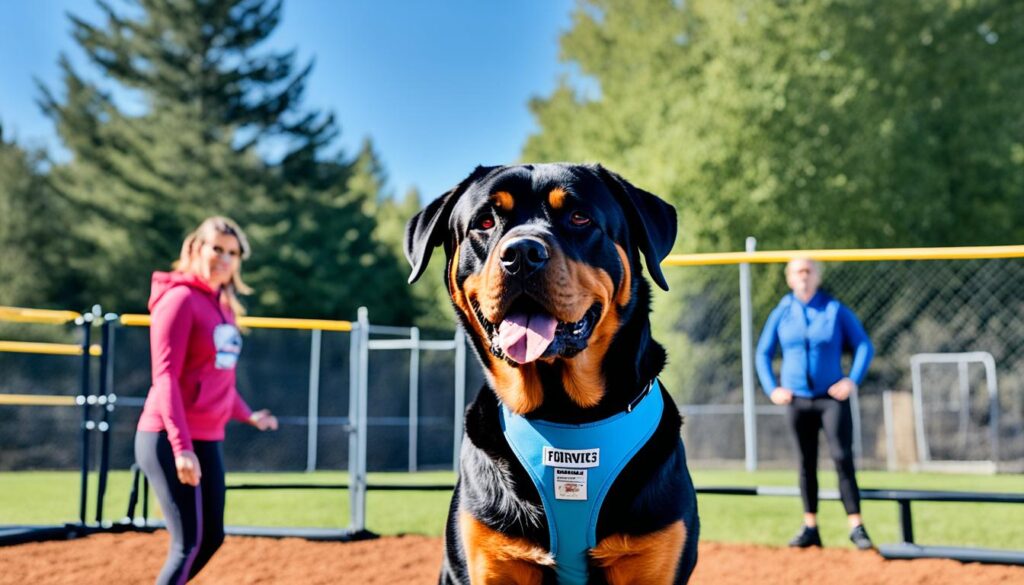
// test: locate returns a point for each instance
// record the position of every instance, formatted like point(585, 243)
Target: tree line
point(194, 117)
point(815, 123)
point(807, 124)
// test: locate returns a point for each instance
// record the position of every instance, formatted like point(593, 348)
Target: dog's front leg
point(494, 558)
point(649, 559)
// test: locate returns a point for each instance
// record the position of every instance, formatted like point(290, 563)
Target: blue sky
point(438, 86)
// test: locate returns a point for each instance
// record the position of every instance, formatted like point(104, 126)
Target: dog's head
point(543, 268)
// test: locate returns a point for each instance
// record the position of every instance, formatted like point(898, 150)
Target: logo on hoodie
point(228, 341)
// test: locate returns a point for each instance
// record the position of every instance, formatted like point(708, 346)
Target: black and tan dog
point(544, 270)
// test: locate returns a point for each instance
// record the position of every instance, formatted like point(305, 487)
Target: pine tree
point(210, 109)
point(33, 221)
point(429, 293)
point(323, 258)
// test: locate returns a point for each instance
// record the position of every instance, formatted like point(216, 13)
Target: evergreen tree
point(429, 294)
point(210, 108)
point(323, 258)
point(33, 222)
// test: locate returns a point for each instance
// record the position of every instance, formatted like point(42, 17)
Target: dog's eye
point(579, 219)
point(484, 222)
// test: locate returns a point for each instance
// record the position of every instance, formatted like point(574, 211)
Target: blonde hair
point(206, 231)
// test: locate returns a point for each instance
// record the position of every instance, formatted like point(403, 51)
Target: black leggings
point(806, 416)
point(194, 515)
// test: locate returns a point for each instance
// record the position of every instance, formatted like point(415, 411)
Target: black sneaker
point(859, 536)
point(806, 538)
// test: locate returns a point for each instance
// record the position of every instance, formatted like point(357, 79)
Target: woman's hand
point(781, 396)
point(187, 465)
point(842, 389)
point(263, 420)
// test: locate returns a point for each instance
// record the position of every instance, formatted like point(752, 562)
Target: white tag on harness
point(571, 484)
point(571, 459)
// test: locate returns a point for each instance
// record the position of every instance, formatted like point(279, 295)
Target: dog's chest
point(574, 466)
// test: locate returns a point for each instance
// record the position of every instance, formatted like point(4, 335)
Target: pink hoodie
point(193, 394)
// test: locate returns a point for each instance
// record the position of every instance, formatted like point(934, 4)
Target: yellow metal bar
point(260, 323)
point(274, 323)
point(20, 315)
point(863, 255)
point(36, 400)
point(47, 348)
point(135, 320)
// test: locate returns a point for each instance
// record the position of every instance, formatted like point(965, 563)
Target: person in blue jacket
point(812, 328)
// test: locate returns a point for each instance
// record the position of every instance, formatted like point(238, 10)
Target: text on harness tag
point(571, 459)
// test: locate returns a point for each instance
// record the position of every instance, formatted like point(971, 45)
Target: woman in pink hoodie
point(195, 345)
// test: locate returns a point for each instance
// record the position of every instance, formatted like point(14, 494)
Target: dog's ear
point(428, 228)
point(652, 221)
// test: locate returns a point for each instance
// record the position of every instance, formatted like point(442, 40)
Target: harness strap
point(574, 466)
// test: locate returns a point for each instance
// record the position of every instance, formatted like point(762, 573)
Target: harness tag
point(571, 458)
point(571, 484)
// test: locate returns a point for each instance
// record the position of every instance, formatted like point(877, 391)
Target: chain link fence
point(907, 308)
point(276, 372)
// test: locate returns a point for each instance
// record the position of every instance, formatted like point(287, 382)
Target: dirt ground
point(136, 558)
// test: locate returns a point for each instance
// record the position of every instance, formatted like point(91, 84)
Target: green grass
point(768, 520)
point(774, 520)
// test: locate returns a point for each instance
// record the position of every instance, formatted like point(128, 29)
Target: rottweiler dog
point(543, 266)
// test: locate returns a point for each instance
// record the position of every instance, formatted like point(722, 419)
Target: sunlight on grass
point(766, 520)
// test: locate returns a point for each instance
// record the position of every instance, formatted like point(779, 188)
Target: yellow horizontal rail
point(276, 323)
point(853, 255)
point(135, 320)
point(260, 323)
point(36, 400)
point(20, 315)
point(47, 348)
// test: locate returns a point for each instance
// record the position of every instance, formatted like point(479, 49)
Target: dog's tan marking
point(518, 387)
point(453, 268)
point(457, 294)
point(571, 288)
point(503, 200)
point(494, 558)
point(580, 286)
point(625, 286)
point(556, 197)
point(651, 559)
point(459, 298)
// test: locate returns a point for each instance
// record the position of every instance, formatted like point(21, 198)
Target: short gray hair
point(817, 265)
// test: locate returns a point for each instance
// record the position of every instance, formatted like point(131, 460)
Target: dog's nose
point(522, 257)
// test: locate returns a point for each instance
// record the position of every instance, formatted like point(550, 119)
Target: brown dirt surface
point(109, 559)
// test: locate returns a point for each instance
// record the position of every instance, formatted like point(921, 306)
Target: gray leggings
point(194, 515)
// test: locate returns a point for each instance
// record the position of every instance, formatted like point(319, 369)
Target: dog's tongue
point(524, 337)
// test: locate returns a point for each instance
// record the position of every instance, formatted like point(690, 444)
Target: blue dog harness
point(574, 466)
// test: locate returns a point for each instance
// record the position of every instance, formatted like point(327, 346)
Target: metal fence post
point(747, 354)
point(891, 464)
point(355, 339)
point(858, 441)
point(414, 396)
point(993, 403)
point(106, 400)
point(460, 394)
point(362, 420)
point(965, 403)
point(313, 416)
point(85, 322)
